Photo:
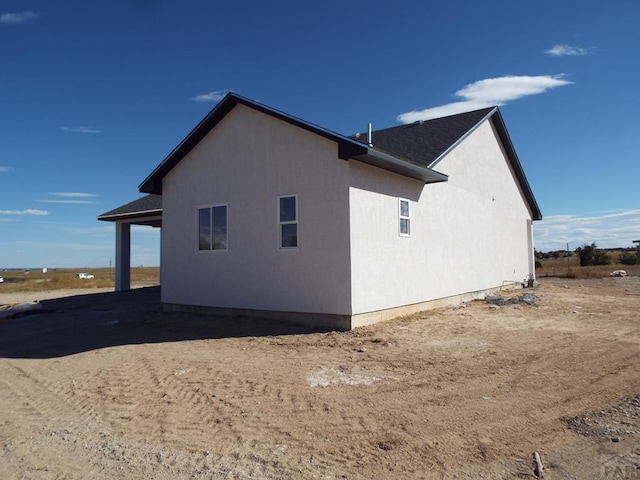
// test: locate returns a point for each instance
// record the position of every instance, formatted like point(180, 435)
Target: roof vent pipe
point(369, 139)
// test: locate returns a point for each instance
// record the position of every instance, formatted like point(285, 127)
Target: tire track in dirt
point(188, 407)
point(50, 411)
point(98, 446)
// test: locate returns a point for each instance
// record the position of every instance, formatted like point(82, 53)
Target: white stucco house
point(263, 213)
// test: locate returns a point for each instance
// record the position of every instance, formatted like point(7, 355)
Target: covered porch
point(143, 211)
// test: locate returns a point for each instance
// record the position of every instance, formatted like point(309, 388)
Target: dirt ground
point(104, 385)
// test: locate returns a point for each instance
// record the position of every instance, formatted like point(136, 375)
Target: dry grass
point(36, 281)
point(561, 267)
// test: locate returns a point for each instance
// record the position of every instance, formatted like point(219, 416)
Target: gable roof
point(411, 150)
point(427, 142)
point(348, 148)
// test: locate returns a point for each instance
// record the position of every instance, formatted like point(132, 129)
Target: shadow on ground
point(88, 322)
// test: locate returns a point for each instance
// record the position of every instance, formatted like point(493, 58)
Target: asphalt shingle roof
point(149, 204)
point(410, 150)
point(424, 142)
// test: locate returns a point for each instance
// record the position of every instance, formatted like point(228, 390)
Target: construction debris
point(537, 465)
point(526, 299)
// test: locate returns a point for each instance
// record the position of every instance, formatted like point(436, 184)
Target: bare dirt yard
point(105, 385)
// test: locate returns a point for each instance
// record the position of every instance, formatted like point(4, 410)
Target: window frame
point(282, 223)
point(405, 218)
point(211, 248)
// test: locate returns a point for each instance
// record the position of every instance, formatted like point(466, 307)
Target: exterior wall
point(246, 162)
point(467, 235)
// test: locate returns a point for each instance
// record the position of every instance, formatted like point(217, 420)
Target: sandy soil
point(104, 385)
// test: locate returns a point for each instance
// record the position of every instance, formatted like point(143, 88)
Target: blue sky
point(93, 95)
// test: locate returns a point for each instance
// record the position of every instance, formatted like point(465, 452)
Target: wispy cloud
point(214, 96)
point(5, 169)
point(71, 198)
point(71, 202)
point(73, 194)
point(608, 230)
point(29, 211)
point(487, 93)
point(565, 50)
point(81, 129)
point(18, 17)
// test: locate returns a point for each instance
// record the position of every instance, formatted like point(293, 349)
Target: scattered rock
point(612, 423)
point(524, 299)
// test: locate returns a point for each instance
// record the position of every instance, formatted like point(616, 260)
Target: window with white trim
point(212, 228)
point(404, 217)
point(288, 222)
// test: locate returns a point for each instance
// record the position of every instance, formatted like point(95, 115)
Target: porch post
point(123, 256)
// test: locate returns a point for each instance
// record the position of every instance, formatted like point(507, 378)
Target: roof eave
point(462, 138)
point(401, 167)
point(130, 215)
point(501, 128)
point(347, 147)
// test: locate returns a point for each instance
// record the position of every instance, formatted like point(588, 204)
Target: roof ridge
point(421, 122)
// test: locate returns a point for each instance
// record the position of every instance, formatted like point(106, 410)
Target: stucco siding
point(468, 234)
point(246, 162)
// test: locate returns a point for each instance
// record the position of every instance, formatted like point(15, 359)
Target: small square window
point(404, 217)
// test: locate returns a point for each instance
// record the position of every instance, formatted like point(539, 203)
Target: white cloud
point(19, 17)
point(487, 93)
point(564, 50)
point(29, 211)
point(73, 194)
point(608, 230)
point(4, 169)
point(81, 129)
point(75, 202)
point(71, 198)
point(214, 96)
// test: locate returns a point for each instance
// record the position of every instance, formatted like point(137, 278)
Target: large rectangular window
point(288, 221)
point(404, 217)
point(212, 228)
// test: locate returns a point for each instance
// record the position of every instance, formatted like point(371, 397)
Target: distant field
point(36, 281)
point(570, 268)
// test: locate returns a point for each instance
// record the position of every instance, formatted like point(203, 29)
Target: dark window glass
point(404, 208)
point(219, 237)
point(404, 226)
point(288, 209)
point(204, 228)
point(289, 235)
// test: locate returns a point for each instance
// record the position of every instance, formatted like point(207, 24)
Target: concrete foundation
point(339, 322)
